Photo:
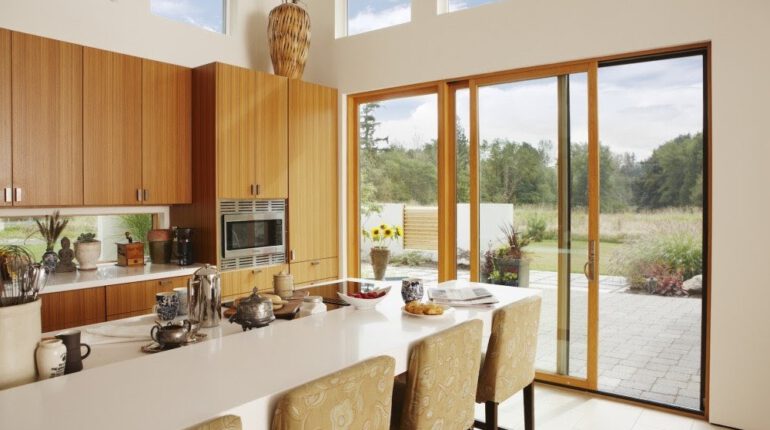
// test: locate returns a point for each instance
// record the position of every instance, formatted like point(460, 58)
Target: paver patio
point(649, 346)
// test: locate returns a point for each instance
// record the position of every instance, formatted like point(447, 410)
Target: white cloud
point(369, 19)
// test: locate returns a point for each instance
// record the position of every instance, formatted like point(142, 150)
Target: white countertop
point(111, 274)
point(243, 373)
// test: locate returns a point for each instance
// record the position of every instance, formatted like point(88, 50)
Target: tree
point(673, 175)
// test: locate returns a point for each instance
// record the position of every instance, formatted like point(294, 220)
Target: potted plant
point(19, 315)
point(51, 228)
point(507, 265)
point(87, 251)
point(381, 237)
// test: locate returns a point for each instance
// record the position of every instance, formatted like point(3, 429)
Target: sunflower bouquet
point(383, 234)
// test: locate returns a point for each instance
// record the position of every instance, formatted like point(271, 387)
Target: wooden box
point(131, 254)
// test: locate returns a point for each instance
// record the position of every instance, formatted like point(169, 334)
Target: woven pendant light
point(288, 34)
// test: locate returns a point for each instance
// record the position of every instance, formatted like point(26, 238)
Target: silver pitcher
point(204, 296)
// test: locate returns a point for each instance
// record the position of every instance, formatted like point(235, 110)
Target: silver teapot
point(204, 297)
point(171, 334)
point(253, 312)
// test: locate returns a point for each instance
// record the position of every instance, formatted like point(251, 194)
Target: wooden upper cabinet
point(313, 184)
point(47, 109)
point(166, 133)
point(112, 127)
point(6, 183)
point(236, 107)
point(272, 142)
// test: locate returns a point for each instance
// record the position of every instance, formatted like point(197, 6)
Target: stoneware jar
point(87, 254)
point(51, 357)
point(20, 330)
point(311, 305)
point(283, 284)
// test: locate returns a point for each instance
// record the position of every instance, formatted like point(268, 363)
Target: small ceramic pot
point(167, 305)
point(51, 358)
point(50, 259)
point(411, 290)
point(181, 292)
point(87, 254)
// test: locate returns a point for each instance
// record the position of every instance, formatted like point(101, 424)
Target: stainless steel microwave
point(256, 233)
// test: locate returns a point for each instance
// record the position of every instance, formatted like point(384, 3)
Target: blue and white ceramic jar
point(411, 290)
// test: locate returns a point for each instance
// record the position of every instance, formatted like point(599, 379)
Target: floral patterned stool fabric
point(440, 385)
point(358, 397)
point(227, 422)
point(509, 363)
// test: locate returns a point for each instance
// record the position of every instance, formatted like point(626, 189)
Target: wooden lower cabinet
point(314, 271)
point(238, 283)
point(138, 298)
point(73, 308)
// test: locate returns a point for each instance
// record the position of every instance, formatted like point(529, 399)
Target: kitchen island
point(242, 373)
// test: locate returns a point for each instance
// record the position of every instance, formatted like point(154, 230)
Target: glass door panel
point(652, 230)
point(398, 188)
point(533, 199)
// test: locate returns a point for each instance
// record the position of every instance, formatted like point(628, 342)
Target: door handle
point(291, 255)
point(253, 190)
point(138, 194)
point(8, 195)
point(589, 267)
point(257, 188)
point(146, 195)
point(315, 263)
point(19, 194)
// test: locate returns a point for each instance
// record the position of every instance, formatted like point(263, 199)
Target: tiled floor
point(562, 409)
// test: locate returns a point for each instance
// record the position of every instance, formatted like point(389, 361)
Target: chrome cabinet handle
point(19, 194)
point(253, 191)
point(8, 194)
point(257, 188)
point(146, 195)
point(138, 194)
point(291, 255)
point(256, 272)
point(315, 263)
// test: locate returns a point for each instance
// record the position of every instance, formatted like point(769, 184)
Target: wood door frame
point(448, 86)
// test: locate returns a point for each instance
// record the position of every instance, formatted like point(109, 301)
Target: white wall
point(512, 34)
point(127, 26)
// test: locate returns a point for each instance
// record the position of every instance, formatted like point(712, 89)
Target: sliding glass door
point(530, 205)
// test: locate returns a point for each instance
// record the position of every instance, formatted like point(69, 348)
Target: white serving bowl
point(364, 303)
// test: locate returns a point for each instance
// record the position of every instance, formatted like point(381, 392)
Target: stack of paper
point(473, 296)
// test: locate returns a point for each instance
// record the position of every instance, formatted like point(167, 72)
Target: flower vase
point(50, 259)
point(380, 258)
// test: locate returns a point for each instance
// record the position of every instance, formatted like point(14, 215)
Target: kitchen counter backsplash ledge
point(111, 274)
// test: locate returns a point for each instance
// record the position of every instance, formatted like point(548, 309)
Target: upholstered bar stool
point(227, 422)
point(509, 363)
point(358, 397)
point(440, 384)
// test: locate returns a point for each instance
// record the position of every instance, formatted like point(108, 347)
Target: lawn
point(544, 255)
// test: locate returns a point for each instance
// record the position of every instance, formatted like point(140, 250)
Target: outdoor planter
point(504, 266)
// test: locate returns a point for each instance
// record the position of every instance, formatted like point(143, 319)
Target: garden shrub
point(670, 253)
point(536, 227)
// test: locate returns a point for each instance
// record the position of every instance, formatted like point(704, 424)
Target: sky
point(368, 15)
point(207, 14)
point(641, 106)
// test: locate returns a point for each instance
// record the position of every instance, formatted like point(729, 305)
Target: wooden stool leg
point(490, 415)
point(529, 407)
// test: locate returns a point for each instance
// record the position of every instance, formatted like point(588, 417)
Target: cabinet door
point(72, 308)
point(130, 298)
point(236, 107)
point(312, 171)
point(272, 137)
point(112, 128)
point(47, 80)
point(238, 282)
point(5, 118)
point(166, 133)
